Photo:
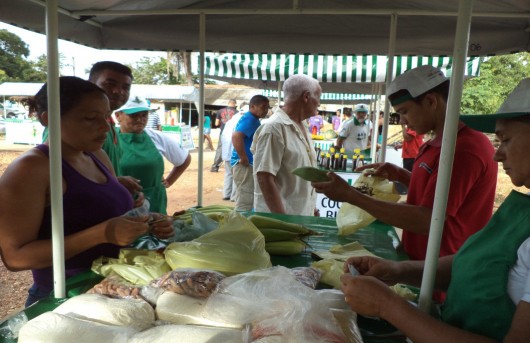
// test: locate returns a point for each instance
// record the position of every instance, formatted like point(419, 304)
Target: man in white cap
point(420, 97)
point(355, 132)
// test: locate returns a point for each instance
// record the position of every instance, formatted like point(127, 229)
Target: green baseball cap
point(517, 104)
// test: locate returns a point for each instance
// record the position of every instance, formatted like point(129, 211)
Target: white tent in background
point(384, 27)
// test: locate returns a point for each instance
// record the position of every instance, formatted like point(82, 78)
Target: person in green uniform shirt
point(488, 279)
point(142, 151)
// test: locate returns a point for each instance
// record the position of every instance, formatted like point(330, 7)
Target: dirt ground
point(182, 195)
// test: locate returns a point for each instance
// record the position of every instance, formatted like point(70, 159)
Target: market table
point(378, 238)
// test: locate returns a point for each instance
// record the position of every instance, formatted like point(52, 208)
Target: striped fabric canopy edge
point(325, 68)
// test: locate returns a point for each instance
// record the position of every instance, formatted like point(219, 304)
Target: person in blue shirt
point(242, 159)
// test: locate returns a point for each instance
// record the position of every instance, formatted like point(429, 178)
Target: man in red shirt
point(409, 147)
point(420, 97)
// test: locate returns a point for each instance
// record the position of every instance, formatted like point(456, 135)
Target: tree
point(13, 52)
point(151, 71)
point(498, 77)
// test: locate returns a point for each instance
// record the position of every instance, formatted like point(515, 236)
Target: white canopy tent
point(385, 27)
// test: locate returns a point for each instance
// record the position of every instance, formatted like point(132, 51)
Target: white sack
point(135, 313)
point(55, 327)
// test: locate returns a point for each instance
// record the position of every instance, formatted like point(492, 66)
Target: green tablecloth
point(378, 238)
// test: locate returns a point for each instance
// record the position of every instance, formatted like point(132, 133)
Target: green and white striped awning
point(327, 97)
point(332, 69)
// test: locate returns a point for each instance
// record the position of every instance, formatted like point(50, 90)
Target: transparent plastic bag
point(307, 275)
point(276, 304)
point(236, 246)
point(351, 218)
point(193, 282)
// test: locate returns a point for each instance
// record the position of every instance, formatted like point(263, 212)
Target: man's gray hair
point(297, 84)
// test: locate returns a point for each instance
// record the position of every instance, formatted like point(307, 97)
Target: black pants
point(218, 159)
point(408, 163)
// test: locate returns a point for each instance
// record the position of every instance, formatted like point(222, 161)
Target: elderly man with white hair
point(281, 144)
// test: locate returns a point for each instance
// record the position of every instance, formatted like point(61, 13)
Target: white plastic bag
point(351, 218)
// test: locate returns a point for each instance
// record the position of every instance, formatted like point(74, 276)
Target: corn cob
point(276, 235)
point(271, 223)
point(292, 247)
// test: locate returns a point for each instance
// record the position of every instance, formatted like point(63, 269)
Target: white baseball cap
point(134, 105)
point(361, 108)
point(415, 81)
point(517, 104)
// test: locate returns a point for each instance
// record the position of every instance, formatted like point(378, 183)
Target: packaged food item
point(182, 309)
point(190, 334)
point(56, 327)
point(115, 286)
point(135, 313)
point(193, 282)
point(307, 276)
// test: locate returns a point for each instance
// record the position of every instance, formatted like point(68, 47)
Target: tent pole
point(373, 138)
point(375, 126)
point(389, 78)
point(279, 93)
point(56, 175)
point(447, 154)
point(202, 46)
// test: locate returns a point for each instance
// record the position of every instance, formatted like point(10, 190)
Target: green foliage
point(13, 54)
point(152, 71)
point(498, 77)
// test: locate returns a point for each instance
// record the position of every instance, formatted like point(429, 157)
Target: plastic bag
point(331, 271)
point(114, 286)
point(193, 282)
point(183, 232)
point(307, 276)
point(343, 252)
point(236, 246)
point(276, 304)
point(351, 218)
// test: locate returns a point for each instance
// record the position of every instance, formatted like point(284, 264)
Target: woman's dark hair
point(71, 90)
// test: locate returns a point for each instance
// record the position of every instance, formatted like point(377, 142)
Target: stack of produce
point(281, 238)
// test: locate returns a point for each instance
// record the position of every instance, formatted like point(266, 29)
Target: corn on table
point(378, 238)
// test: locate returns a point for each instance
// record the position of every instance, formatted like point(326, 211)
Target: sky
point(78, 58)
